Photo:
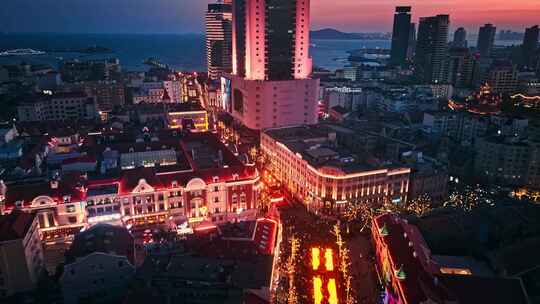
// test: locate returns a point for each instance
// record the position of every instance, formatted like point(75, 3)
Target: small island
point(333, 34)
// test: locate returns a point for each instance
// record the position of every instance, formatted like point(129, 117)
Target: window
point(216, 199)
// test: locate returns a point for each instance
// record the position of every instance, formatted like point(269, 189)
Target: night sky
point(185, 16)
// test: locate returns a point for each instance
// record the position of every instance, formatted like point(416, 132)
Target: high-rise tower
point(271, 39)
point(530, 46)
point(412, 42)
point(486, 39)
point(270, 81)
point(460, 38)
point(400, 35)
point(431, 48)
point(219, 38)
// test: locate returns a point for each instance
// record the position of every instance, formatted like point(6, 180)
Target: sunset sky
point(181, 16)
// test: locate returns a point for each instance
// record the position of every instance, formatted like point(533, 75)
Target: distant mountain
point(329, 33)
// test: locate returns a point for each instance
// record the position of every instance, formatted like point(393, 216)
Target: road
point(317, 240)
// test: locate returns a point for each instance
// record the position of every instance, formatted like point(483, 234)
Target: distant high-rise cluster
point(219, 38)
point(436, 60)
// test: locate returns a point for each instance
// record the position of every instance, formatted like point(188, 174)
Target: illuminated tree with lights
point(344, 264)
point(362, 212)
point(292, 297)
point(420, 206)
point(469, 199)
point(264, 201)
point(253, 152)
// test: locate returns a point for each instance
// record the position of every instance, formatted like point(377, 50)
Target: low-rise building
point(148, 94)
point(229, 261)
point(428, 177)
point(410, 99)
point(58, 106)
point(90, 70)
point(108, 94)
point(502, 160)
point(181, 116)
point(466, 127)
point(503, 78)
point(21, 253)
point(49, 81)
point(99, 265)
point(346, 97)
point(411, 274)
point(168, 91)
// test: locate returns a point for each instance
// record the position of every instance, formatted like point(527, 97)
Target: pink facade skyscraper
point(270, 85)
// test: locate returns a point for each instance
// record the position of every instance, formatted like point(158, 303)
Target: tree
point(420, 206)
point(469, 198)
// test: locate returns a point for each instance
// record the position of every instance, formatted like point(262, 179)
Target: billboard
point(226, 94)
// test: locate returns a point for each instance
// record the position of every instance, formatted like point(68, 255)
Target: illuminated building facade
point(207, 183)
point(219, 38)
point(270, 84)
point(404, 263)
point(195, 120)
point(307, 162)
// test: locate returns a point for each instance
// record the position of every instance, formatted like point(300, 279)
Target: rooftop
point(495, 290)
point(102, 238)
point(321, 147)
point(15, 225)
point(55, 96)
